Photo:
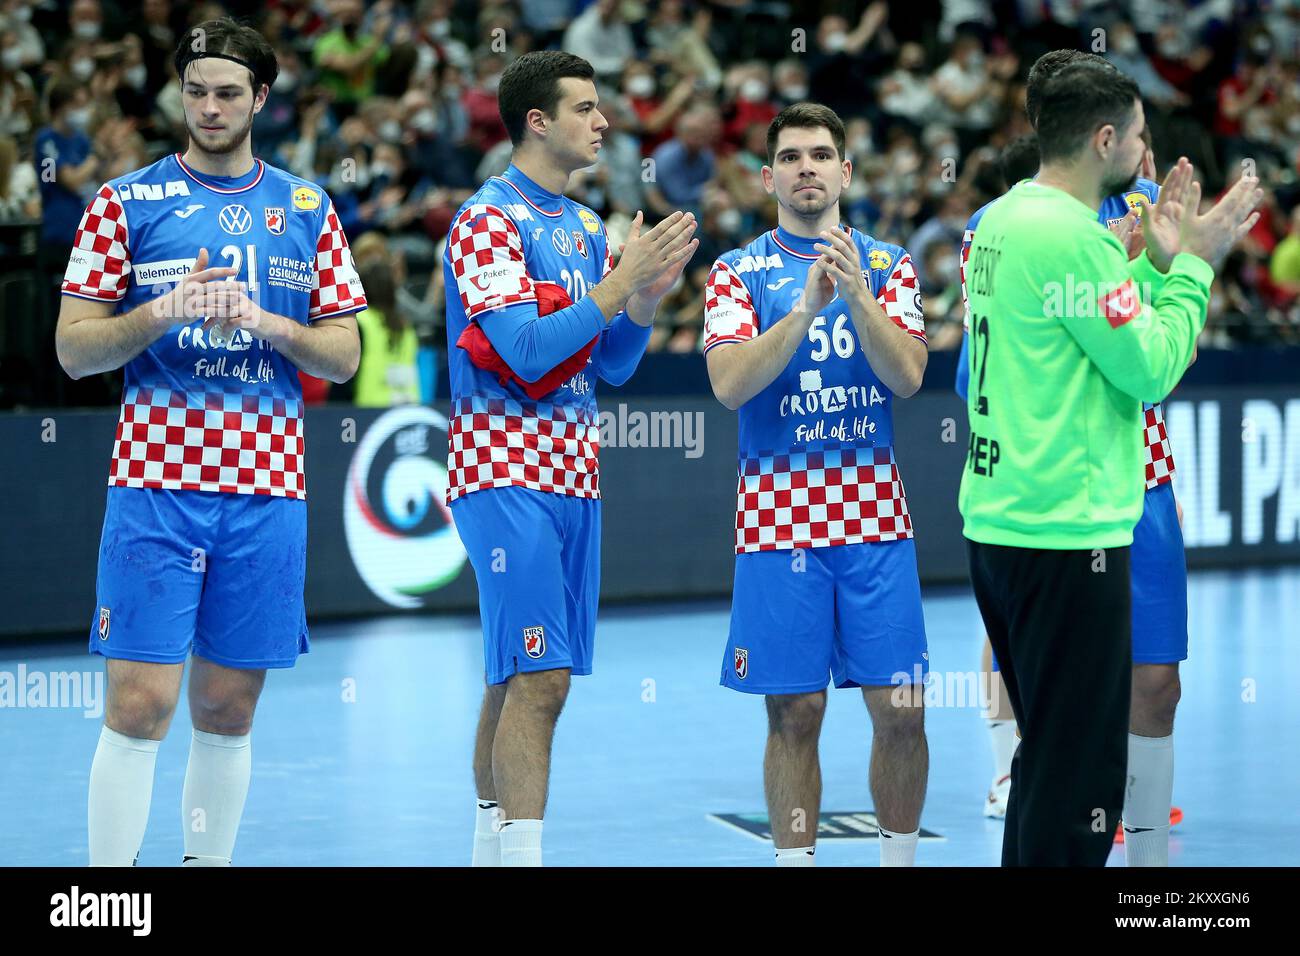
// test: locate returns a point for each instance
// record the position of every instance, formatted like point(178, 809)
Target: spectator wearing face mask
point(753, 103)
point(17, 95)
point(941, 292)
point(905, 92)
point(655, 114)
point(601, 37)
point(347, 60)
point(844, 63)
point(67, 168)
point(686, 164)
point(790, 79)
point(28, 47)
point(20, 199)
point(1126, 54)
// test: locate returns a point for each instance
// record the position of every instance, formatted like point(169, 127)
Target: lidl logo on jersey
point(1134, 201)
point(275, 220)
point(753, 263)
point(306, 199)
point(589, 220)
point(879, 259)
point(518, 212)
point(153, 191)
point(235, 219)
point(534, 641)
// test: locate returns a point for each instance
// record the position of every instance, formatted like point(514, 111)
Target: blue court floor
point(649, 746)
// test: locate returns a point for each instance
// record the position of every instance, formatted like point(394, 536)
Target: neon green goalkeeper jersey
point(1063, 351)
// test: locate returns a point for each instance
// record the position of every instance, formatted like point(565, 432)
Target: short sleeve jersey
point(204, 412)
point(816, 464)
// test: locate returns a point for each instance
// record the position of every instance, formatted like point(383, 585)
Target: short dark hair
point(1047, 66)
point(230, 38)
point(532, 82)
point(1077, 102)
point(805, 116)
point(1019, 159)
point(60, 93)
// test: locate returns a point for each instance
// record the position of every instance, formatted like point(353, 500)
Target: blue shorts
point(1158, 575)
point(223, 573)
point(536, 556)
point(850, 613)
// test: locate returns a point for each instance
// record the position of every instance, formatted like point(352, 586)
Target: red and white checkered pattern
point(1159, 456)
point(245, 444)
point(487, 259)
point(816, 499)
point(967, 238)
point(336, 288)
point(500, 442)
point(100, 262)
point(901, 301)
point(729, 314)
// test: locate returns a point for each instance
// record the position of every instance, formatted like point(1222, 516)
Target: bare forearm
point(330, 352)
point(896, 361)
point(100, 344)
point(741, 371)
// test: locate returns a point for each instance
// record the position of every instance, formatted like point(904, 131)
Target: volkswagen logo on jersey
point(235, 219)
point(742, 662)
point(560, 240)
point(580, 242)
point(398, 527)
point(534, 641)
point(275, 220)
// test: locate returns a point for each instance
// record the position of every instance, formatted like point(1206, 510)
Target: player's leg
point(147, 595)
point(251, 618)
point(1159, 582)
point(792, 776)
point(1001, 724)
point(514, 538)
point(487, 814)
point(780, 644)
point(881, 647)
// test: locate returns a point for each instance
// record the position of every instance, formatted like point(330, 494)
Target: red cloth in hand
point(550, 298)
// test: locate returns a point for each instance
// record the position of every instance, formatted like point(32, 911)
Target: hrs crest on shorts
point(534, 641)
point(742, 662)
point(103, 623)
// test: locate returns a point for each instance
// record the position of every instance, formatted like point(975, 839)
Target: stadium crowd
point(391, 107)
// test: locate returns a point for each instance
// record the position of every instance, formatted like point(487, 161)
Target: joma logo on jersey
point(153, 191)
point(752, 263)
point(534, 641)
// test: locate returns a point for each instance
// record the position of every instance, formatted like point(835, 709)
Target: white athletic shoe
point(996, 805)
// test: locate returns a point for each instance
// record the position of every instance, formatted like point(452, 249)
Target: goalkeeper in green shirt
point(1063, 351)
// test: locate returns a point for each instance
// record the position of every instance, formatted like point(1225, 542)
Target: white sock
point(1003, 735)
point(1147, 799)
point(216, 783)
point(521, 842)
point(898, 849)
point(796, 856)
point(487, 841)
point(121, 789)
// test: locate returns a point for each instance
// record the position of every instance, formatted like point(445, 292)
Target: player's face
point(219, 104)
point(1124, 164)
point(574, 139)
point(807, 174)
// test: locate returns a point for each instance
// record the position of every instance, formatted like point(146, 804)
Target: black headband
point(223, 56)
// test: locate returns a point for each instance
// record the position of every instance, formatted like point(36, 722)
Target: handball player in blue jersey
point(811, 330)
point(211, 278)
point(536, 313)
point(1158, 567)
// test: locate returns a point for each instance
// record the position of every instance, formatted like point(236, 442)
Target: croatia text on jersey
point(201, 411)
point(816, 464)
point(505, 238)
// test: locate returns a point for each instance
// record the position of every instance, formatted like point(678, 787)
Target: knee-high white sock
point(521, 842)
point(121, 789)
point(898, 849)
point(796, 856)
point(1147, 799)
point(216, 783)
point(487, 841)
point(1002, 733)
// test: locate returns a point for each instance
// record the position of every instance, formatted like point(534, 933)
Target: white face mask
point(492, 82)
point(83, 69)
point(424, 121)
point(836, 41)
point(285, 83)
point(1126, 44)
point(11, 58)
point(79, 118)
point(641, 85)
point(22, 14)
point(795, 92)
point(439, 29)
point(86, 29)
point(390, 131)
point(729, 220)
point(975, 61)
point(135, 76)
point(753, 90)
